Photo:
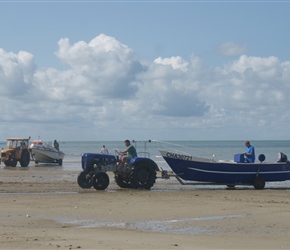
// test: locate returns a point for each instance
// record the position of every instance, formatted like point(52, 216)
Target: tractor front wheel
point(85, 180)
point(12, 162)
point(101, 181)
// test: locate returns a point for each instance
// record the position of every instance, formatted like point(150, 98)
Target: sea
point(221, 150)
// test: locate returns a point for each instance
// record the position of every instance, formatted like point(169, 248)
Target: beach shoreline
point(44, 208)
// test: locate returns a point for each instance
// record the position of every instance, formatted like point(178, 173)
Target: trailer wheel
point(259, 183)
point(101, 181)
point(25, 158)
point(143, 176)
point(84, 180)
point(60, 162)
point(121, 182)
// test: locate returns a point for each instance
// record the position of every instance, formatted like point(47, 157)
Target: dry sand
point(44, 208)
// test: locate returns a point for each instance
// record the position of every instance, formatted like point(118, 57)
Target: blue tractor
point(139, 173)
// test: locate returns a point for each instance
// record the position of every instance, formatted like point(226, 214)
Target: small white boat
point(45, 153)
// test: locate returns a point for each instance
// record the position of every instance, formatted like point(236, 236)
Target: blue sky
point(151, 29)
point(109, 70)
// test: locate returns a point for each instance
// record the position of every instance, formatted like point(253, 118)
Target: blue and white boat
point(230, 173)
point(45, 153)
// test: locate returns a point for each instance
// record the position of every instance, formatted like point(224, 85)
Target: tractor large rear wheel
point(25, 158)
point(121, 182)
point(143, 176)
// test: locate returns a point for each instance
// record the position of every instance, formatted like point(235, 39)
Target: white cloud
point(231, 49)
point(106, 65)
point(175, 62)
point(16, 72)
point(108, 92)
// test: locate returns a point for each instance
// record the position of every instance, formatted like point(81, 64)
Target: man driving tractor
point(129, 153)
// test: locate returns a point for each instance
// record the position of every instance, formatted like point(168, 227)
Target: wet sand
point(44, 208)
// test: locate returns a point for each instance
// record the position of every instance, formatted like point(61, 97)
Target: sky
point(159, 70)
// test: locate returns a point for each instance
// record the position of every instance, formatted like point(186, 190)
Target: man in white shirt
point(104, 150)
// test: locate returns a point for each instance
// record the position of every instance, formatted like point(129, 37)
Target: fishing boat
point(226, 172)
point(45, 153)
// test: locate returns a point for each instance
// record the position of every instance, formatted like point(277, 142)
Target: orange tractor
point(17, 150)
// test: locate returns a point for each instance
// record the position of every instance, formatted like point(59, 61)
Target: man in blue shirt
point(249, 153)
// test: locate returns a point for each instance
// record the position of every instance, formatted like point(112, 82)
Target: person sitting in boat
point(56, 145)
point(129, 153)
point(249, 152)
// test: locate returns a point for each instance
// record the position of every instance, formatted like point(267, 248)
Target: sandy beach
point(44, 208)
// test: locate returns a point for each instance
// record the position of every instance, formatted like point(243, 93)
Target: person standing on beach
point(130, 152)
point(249, 152)
point(104, 150)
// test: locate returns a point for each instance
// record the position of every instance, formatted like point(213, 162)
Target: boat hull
point(46, 154)
point(191, 168)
